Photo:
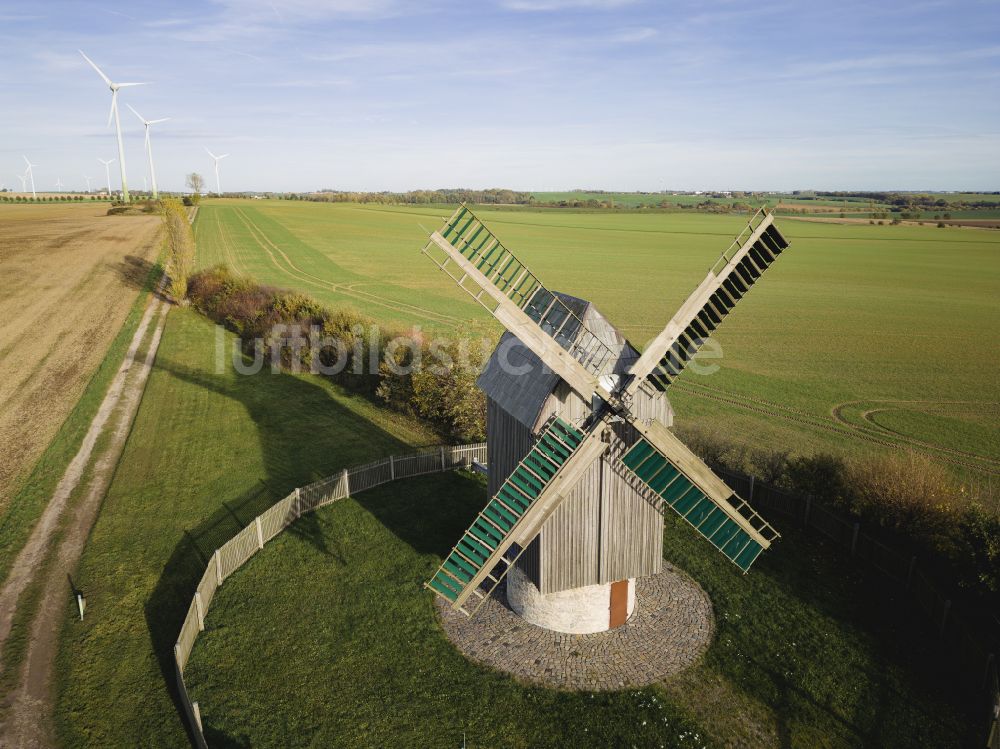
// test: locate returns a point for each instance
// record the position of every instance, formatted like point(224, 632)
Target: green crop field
point(852, 319)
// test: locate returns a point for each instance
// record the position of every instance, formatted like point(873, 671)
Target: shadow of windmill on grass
point(292, 457)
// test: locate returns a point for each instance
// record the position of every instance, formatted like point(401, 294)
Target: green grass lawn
point(327, 638)
point(849, 313)
point(206, 454)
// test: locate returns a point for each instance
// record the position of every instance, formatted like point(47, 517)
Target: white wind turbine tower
point(114, 114)
point(107, 172)
point(217, 159)
point(149, 146)
point(88, 182)
point(30, 173)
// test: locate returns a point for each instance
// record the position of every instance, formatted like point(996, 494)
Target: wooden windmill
point(582, 463)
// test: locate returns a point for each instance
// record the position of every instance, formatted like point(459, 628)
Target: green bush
point(907, 494)
point(442, 390)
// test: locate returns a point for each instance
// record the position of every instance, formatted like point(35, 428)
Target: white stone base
point(580, 611)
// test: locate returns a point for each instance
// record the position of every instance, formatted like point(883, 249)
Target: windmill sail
point(486, 551)
point(682, 482)
point(728, 281)
point(476, 260)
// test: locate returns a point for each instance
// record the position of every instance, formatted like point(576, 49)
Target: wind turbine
point(24, 181)
point(107, 172)
point(114, 114)
point(59, 184)
point(217, 159)
point(88, 182)
point(149, 146)
point(30, 173)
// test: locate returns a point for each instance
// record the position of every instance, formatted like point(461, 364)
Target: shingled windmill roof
point(520, 383)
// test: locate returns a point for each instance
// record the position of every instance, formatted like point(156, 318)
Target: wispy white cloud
point(898, 61)
point(297, 10)
point(543, 6)
point(633, 36)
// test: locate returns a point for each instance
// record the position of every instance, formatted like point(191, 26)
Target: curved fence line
point(978, 663)
point(236, 551)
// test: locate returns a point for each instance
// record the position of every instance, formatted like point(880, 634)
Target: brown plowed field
point(68, 277)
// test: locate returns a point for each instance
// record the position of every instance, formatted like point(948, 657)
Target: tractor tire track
point(845, 429)
point(27, 720)
point(876, 430)
point(342, 288)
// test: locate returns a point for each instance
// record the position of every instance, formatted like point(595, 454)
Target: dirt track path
point(27, 717)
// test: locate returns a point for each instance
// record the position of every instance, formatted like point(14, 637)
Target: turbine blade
point(206, 151)
point(111, 112)
point(223, 156)
point(94, 66)
point(141, 119)
point(126, 85)
point(162, 119)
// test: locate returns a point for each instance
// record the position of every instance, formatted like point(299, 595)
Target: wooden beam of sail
point(732, 276)
point(490, 273)
point(515, 515)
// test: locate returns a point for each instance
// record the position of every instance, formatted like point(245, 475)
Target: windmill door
point(619, 603)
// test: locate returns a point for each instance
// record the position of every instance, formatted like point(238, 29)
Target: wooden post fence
point(235, 552)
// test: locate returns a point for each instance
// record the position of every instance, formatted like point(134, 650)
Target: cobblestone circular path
point(671, 627)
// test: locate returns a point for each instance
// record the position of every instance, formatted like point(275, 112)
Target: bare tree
point(196, 182)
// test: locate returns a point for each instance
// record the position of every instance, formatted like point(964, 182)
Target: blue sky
point(527, 94)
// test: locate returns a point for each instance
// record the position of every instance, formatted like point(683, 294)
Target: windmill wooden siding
point(605, 530)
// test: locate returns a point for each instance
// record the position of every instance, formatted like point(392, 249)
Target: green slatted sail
point(738, 281)
point(477, 244)
point(705, 514)
point(491, 528)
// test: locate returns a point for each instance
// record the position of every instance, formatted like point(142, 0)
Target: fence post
point(854, 539)
point(298, 504)
point(442, 457)
point(347, 484)
point(909, 572)
point(201, 611)
point(392, 468)
point(218, 567)
point(944, 615)
point(197, 716)
point(805, 518)
point(260, 533)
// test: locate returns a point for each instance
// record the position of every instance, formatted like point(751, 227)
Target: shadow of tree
point(133, 270)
